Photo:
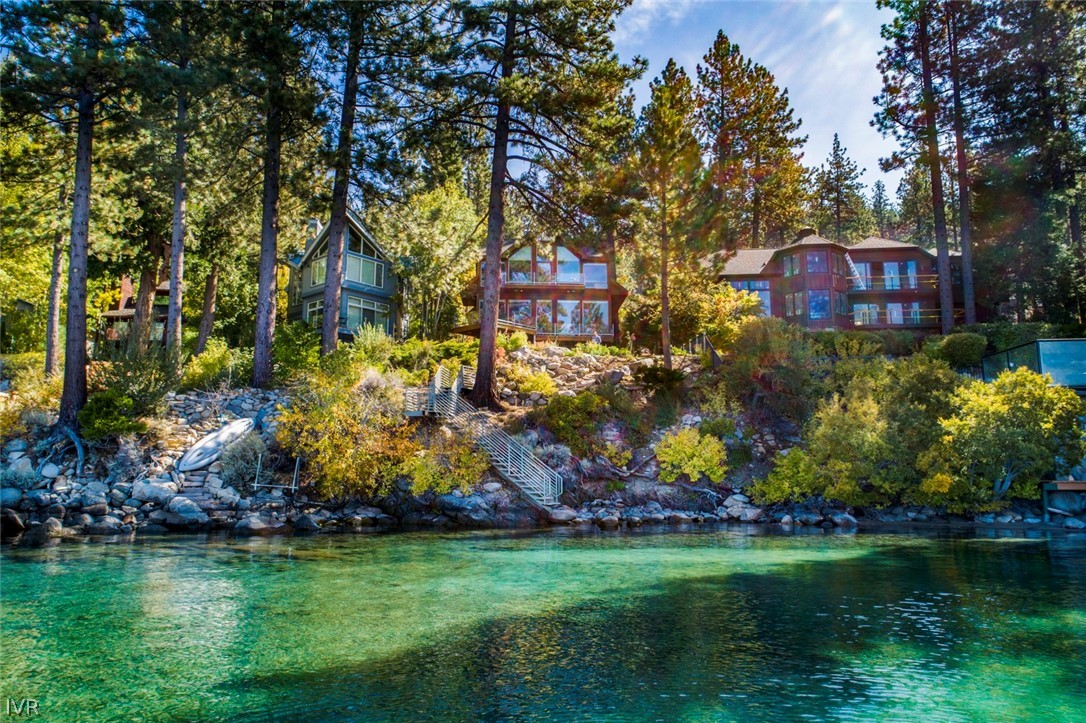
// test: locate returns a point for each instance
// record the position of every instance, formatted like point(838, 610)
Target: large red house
point(558, 292)
point(821, 284)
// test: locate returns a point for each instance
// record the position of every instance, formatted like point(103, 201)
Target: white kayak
point(211, 447)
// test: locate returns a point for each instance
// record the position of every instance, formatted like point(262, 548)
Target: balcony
point(917, 282)
point(545, 278)
point(547, 330)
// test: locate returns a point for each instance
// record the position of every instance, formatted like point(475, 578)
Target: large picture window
point(818, 304)
point(791, 265)
point(313, 312)
point(863, 276)
point(865, 314)
point(595, 276)
point(543, 316)
point(520, 312)
point(362, 270)
point(818, 262)
point(891, 270)
point(520, 265)
point(894, 314)
point(569, 267)
point(594, 318)
point(568, 317)
point(364, 312)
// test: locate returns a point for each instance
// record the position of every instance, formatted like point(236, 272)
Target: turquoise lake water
point(695, 626)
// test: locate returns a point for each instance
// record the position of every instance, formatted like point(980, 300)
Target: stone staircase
point(513, 461)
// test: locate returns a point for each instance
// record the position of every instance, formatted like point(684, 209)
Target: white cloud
point(645, 15)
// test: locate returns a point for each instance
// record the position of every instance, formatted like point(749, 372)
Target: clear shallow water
point(710, 625)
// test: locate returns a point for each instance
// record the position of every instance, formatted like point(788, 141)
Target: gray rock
point(492, 487)
point(807, 517)
point(608, 522)
point(39, 498)
point(561, 515)
point(752, 514)
point(306, 523)
point(50, 471)
point(1074, 523)
point(257, 525)
point(10, 497)
point(157, 492)
point(22, 467)
point(455, 504)
point(786, 520)
point(16, 445)
point(736, 499)
point(183, 506)
point(843, 519)
point(96, 510)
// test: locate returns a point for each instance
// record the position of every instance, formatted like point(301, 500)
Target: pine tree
point(882, 209)
point(68, 55)
point(747, 126)
point(667, 159)
point(542, 80)
point(838, 200)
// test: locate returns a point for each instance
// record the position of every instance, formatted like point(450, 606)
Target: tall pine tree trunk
point(207, 319)
point(74, 395)
point(484, 394)
point(177, 244)
point(931, 134)
point(52, 322)
point(964, 221)
point(665, 302)
point(756, 205)
point(269, 227)
point(337, 225)
point(139, 335)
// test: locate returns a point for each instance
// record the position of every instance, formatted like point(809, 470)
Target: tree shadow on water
point(818, 639)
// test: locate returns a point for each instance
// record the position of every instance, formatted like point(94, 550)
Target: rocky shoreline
point(143, 492)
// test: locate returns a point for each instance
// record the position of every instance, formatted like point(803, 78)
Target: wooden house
point(558, 293)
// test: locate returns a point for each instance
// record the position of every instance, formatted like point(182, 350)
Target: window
point(862, 280)
point(914, 311)
point(569, 267)
point(313, 312)
point(758, 287)
point(789, 305)
point(354, 241)
point(819, 304)
point(520, 312)
point(893, 314)
point(520, 265)
point(295, 288)
point(791, 265)
point(892, 272)
point(595, 319)
point(543, 313)
point(910, 272)
point(818, 262)
point(840, 303)
point(362, 270)
point(595, 276)
point(800, 303)
point(318, 269)
point(364, 312)
point(839, 264)
point(865, 314)
point(568, 317)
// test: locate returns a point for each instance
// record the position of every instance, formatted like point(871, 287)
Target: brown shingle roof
point(874, 242)
point(747, 262)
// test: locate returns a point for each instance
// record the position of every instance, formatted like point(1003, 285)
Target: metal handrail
point(513, 460)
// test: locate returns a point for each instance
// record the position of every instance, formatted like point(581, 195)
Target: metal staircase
point(514, 462)
point(861, 285)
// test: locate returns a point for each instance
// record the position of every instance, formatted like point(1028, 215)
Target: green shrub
point(590, 347)
point(450, 463)
point(512, 342)
point(771, 369)
point(961, 350)
point(686, 452)
point(145, 376)
point(1003, 437)
point(109, 413)
point(33, 399)
point(740, 455)
point(574, 421)
point(718, 427)
point(295, 350)
point(897, 343)
point(1004, 334)
point(794, 477)
point(241, 460)
point(11, 365)
point(846, 344)
point(353, 437)
point(527, 381)
point(215, 365)
point(12, 478)
point(658, 380)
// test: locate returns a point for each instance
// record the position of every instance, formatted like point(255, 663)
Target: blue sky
point(823, 52)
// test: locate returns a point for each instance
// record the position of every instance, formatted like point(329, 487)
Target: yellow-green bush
point(108, 414)
point(216, 364)
point(959, 350)
point(33, 399)
point(794, 477)
point(687, 452)
point(528, 381)
point(512, 342)
point(449, 463)
point(353, 437)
